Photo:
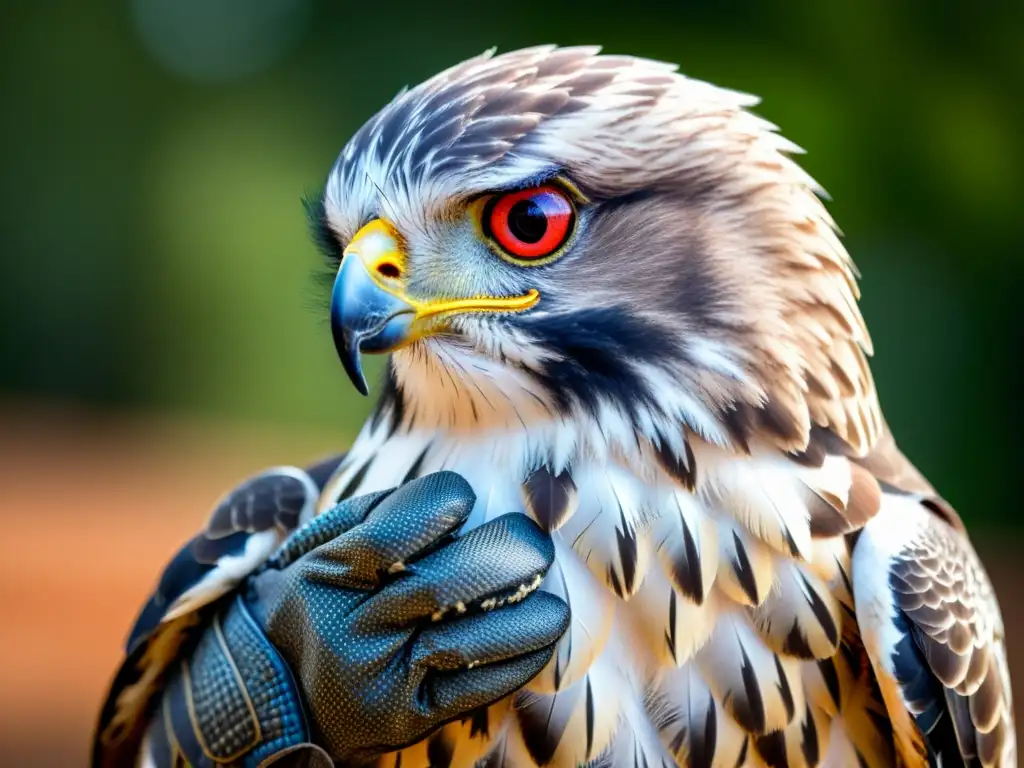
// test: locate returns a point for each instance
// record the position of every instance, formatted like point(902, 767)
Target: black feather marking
point(795, 643)
point(850, 654)
point(744, 573)
point(740, 423)
point(589, 347)
point(590, 717)
point(414, 470)
point(784, 691)
point(682, 468)
point(479, 723)
point(378, 413)
point(542, 722)
point(686, 572)
point(670, 636)
point(391, 393)
point(831, 678)
point(439, 751)
point(777, 419)
point(743, 753)
point(625, 538)
point(353, 485)
point(749, 708)
point(772, 748)
point(639, 758)
point(390, 403)
point(562, 658)
point(846, 578)
point(613, 581)
point(809, 742)
point(551, 499)
point(963, 727)
point(703, 745)
point(794, 549)
point(821, 612)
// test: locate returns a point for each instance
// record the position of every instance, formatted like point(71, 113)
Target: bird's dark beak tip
point(350, 354)
point(351, 360)
point(355, 375)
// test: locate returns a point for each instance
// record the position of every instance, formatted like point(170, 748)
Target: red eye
point(532, 223)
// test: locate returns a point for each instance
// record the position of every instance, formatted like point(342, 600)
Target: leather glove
point(369, 628)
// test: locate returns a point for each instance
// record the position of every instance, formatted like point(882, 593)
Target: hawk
point(614, 302)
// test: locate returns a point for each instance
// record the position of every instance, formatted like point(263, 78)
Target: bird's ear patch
point(594, 356)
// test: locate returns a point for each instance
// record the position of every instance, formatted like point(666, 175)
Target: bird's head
point(553, 234)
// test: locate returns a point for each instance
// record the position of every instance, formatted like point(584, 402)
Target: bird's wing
point(246, 525)
point(933, 631)
point(245, 528)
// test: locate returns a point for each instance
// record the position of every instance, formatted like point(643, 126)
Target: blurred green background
point(155, 152)
point(161, 334)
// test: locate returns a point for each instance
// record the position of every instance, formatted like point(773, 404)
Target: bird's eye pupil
point(527, 221)
point(530, 224)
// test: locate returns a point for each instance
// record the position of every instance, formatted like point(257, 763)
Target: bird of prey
point(613, 301)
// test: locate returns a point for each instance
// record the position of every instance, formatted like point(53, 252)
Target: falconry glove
point(363, 632)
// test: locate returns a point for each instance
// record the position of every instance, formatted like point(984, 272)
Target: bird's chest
point(704, 613)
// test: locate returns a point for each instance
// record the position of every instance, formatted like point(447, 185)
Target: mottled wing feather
point(933, 628)
point(243, 530)
point(887, 463)
point(245, 526)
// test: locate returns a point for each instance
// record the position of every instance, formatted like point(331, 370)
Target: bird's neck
point(399, 442)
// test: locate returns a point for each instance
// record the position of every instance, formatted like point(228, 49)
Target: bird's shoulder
point(931, 623)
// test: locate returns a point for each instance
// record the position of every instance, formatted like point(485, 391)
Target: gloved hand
point(368, 629)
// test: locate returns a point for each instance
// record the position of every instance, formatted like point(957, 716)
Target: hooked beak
point(371, 312)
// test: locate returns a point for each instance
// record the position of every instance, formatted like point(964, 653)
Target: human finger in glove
point(371, 626)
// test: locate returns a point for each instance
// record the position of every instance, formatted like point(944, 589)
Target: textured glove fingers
point(501, 561)
point(321, 529)
point(407, 522)
point(498, 635)
point(452, 695)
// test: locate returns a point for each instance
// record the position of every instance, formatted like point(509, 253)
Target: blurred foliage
point(154, 153)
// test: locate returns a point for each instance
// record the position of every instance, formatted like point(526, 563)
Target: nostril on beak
point(389, 269)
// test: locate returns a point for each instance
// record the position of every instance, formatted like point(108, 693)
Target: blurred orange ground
point(92, 506)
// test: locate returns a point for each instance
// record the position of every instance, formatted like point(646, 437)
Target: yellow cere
point(379, 246)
